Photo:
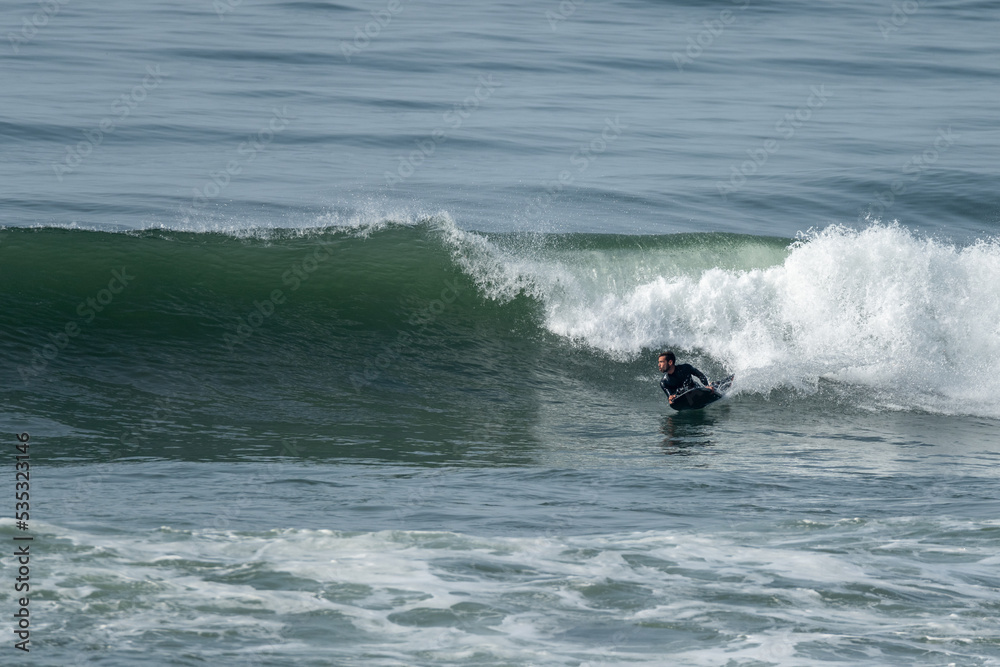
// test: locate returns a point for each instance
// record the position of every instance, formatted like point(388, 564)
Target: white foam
point(916, 319)
point(538, 593)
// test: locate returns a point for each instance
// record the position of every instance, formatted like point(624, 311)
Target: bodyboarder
point(678, 377)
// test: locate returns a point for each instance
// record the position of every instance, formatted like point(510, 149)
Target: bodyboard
point(696, 398)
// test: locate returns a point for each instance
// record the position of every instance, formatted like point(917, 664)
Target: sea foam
point(914, 319)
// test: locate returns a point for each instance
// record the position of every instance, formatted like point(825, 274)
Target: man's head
point(667, 361)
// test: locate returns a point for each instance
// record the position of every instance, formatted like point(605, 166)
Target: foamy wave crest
point(915, 319)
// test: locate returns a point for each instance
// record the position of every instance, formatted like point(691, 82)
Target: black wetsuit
point(681, 379)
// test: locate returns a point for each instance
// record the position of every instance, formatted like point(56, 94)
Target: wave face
point(880, 315)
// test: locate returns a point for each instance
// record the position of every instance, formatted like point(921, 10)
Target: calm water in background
point(378, 383)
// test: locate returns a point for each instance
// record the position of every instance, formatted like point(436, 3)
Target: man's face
point(663, 364)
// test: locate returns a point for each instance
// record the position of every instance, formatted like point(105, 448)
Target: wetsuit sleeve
point(699, 375)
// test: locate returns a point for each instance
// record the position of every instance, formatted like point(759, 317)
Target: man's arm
point(699, 375)
point(665, 386)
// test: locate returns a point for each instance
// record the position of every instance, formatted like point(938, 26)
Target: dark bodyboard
point(698, 397)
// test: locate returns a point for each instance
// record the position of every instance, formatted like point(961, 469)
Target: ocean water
point(334, 326)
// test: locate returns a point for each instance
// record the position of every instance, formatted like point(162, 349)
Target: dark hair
point(669, 355)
